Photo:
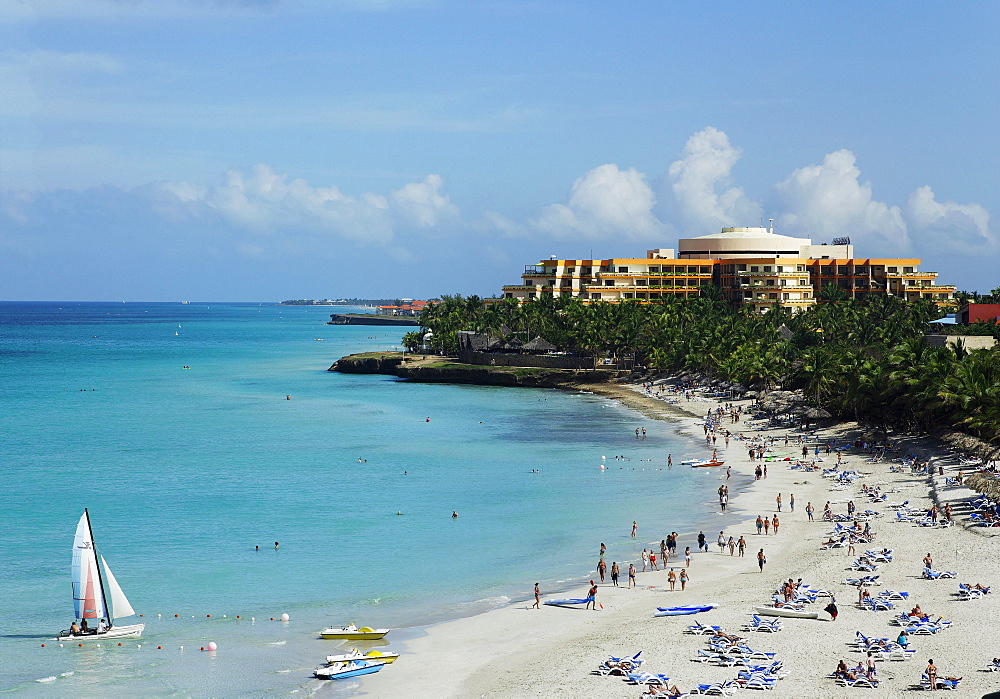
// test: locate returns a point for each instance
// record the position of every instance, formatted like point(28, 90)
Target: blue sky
point(262, 150)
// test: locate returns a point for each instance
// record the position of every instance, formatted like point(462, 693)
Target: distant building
point(752, 266)
point(412, 308)
point(978, 312)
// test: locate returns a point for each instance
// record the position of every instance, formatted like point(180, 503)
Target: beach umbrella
point(817, 414)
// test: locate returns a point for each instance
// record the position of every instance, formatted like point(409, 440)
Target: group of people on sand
point(767, 524)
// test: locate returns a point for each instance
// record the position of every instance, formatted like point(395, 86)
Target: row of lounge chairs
point(968, 592)
point(763, 625)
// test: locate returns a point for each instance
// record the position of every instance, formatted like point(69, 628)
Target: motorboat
point(790, 612)
point(707, 462)
point(351, 668)
point(683, 611)
point(97, 596)
point(353, 633)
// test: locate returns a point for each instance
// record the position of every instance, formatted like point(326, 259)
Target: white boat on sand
point(789, 612)
point(97, 596)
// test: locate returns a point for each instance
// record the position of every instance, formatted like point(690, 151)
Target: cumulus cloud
point(829, 200)
point(962, 227)
point(699, 182)
point(266, 202)
point(607, 201)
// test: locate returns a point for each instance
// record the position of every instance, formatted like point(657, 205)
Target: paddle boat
point(683, 611)
point(355, 654)
point(790, 612)
point(567, 602)
point(353, 668)
point(353, 633)
point(707, 462)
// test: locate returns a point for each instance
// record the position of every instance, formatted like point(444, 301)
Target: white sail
point(88, 600)
point(120, 606)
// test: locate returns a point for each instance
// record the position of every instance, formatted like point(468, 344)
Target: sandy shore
point(517, 651)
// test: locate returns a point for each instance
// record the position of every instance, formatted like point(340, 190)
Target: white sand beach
point(517, 651)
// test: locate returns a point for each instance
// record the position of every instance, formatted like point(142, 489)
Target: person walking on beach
point(687, 556)
point(631, 575)
point(774, 525)
point(684, 579)
point(757, 473)
point(614, 573)
point(741, 545)
point(652, 561)
point(729, 469)
point(702, 543)
point(645, 559)
point(724, 502)
point(809, 511)
point(761, 560)
point(663, 552)
point(672, 579)
point(765, 469)
point(635, 528)
point(538, 597)
point(777, 501)
point(592, 597)
point(791, 502)
point(831, 609)
point(722, 542)
point(601, 567)
point(767, 525)
point(732, 546)
point(928, 561)
point(760, 524)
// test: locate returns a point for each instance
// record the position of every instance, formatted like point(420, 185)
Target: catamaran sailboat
point(97, 597)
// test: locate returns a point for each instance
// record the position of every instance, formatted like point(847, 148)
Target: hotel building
point(752, 266)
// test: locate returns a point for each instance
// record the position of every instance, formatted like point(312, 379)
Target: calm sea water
point(187, 470)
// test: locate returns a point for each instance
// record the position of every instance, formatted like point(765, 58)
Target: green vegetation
point(864, 359)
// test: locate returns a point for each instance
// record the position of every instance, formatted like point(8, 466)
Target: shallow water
point(187, 470)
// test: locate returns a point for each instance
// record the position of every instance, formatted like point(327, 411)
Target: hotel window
point(767, 268)
point(784, 282)
point(640, 282)
point(773, 296)
point(531, 294)
point(755, 268)
point(784, 297)
point(907, 270)
point(769, 282)
point(609, 282)
point(706, 270)
point(800, 268)
point(803, 282)
point(827, 270)
point(692, 270)
point(623, 270)
point(893, 270)
point(552, 282)
point(668, 270)
point(528, 282)
point(654, 270)
point(595, 295)
point(629, 295)
point(780, 269)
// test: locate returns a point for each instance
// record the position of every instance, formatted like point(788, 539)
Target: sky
point(262, 150)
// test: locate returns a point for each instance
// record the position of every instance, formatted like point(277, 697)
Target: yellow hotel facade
point(752, 266)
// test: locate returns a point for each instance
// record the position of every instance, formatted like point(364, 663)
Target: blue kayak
point(568, 602)
point(681, 611)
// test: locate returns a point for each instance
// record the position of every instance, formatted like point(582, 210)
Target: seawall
point(431, 369)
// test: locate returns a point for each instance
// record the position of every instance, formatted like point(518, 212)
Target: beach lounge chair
point(860, 682)
point(863, 580)
point(863, 567)
point(758, 682)
point(930, 574)
point(896, 654)
point(993, 667)
point(966, 592)
point(647, 678)
point(942, 682)
point(699, 629)
point(727, 688)
point(759, 624)
point(893, 594)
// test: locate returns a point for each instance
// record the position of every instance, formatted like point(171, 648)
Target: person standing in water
point(635, 528)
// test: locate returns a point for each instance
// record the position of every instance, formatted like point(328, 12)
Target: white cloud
point(828, 200)
point(705, 166)
point(265, 202)
point(964, 227)
point(606, 201)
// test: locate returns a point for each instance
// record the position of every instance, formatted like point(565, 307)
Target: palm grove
point(860, 359)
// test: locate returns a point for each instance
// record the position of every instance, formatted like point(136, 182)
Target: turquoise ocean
point(186, 471)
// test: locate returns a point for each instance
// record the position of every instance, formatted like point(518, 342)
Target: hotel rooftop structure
point(752, 266)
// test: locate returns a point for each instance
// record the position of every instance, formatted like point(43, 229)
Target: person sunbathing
point(663, 691)
point(726, 637)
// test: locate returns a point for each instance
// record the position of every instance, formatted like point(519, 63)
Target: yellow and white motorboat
point(355, 654)
point(353, 633)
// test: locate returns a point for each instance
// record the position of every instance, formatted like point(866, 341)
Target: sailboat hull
point(130, 631)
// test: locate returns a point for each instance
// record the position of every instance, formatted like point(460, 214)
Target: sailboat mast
point(97, 564)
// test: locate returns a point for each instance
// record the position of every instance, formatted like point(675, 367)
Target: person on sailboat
point(102, 626)
point(83, 627)
point(74, 629)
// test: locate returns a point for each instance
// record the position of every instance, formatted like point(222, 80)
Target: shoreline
point(514, 650)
